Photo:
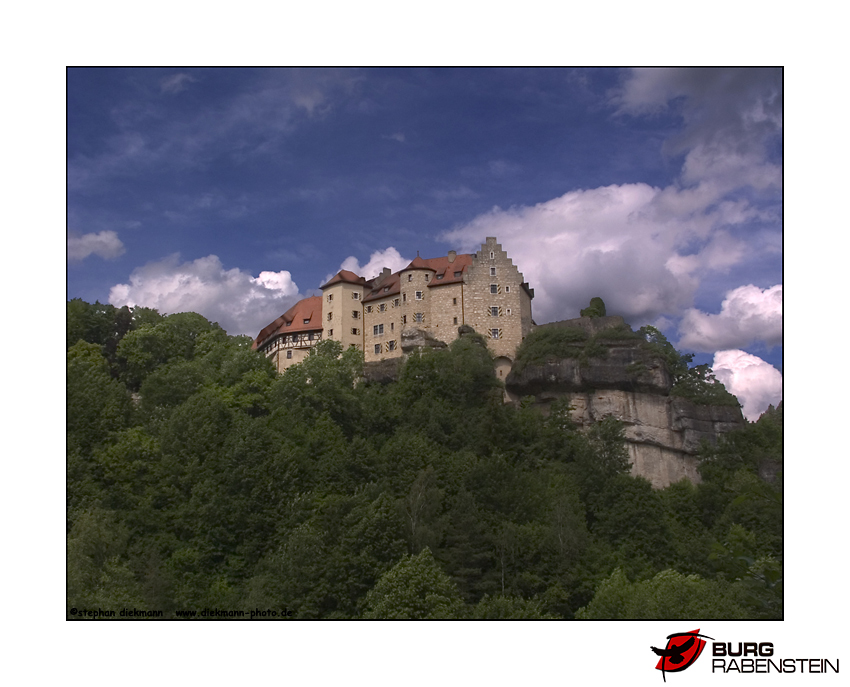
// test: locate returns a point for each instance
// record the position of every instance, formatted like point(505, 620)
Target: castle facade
point(484, 290)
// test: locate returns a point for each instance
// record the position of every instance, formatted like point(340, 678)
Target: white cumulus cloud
point(377, 261)
point(238, 301)
point(104, 244)
point(756, 383)
point(619, 242)
point(747, 314)
point(642, 248)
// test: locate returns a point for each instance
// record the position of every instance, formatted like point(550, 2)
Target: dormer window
point(306, 320)
point(457, 275)
point(439, 276)
point(386, 288)
point(289, 324)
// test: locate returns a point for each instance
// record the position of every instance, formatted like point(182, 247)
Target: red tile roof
point(306, 309)
point(346, 276)
point(390, 286)
point(442, 266)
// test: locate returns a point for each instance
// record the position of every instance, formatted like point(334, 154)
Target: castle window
point(508, 311)
point(492, 271)
point(330, 297)
point(368, 308)
point(377, 349)
point(427, 276)
point(418, 295)
point(404, 319)
point(289, 354)
point(419, 317)
point(494, 333)
point(494, 311)
point(330, 316)
point(494, 288)
point(404, 298)
point(507, 289)
point(355, 314)
point(454, 301)
point(330, 332)
point(310, 336)
point(392, 326)
point(377, 330)
point(492, 255)
point(391, 346)
point(455, 320)
point(457, 274)
point(355, 295)
point(409, 277)
point(382, 307)
point(395, 302)
point(355, 331)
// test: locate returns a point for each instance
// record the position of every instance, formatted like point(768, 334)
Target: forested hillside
point(199, 479)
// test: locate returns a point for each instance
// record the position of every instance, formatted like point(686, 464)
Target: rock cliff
point(663, 432)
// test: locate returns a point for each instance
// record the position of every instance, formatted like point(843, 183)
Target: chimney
point(381, 277)
point(452, 256)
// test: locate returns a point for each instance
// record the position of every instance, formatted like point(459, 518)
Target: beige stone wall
point(446, 308)
point(493, 268)
point(411, 282)
point(339, 306)
point(390, 337)
point(281, 347)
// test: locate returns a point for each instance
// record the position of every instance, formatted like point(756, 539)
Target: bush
point(550, 342)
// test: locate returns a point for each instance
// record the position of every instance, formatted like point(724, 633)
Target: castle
point(484, 290)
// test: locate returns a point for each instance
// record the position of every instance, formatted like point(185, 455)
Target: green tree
point(97, 405)
point(669, 595)
point(415, 588)
point(595, 309)
point(509, 608)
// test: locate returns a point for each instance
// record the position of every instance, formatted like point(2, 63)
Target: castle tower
point(342, 309)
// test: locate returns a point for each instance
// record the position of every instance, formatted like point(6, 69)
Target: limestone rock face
point(413, 339)
point(610, 372)
point(663, 432)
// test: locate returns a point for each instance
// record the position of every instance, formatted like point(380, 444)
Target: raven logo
point(678, 654)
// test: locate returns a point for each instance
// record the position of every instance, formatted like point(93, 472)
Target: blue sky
point(235, 192)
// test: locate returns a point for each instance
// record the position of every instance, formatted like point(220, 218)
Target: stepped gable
point(292, 320)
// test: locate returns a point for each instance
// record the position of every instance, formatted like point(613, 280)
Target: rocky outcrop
point(663, 432)
point(417, 339)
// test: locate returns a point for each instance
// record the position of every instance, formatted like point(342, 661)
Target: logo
point(682, 651)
